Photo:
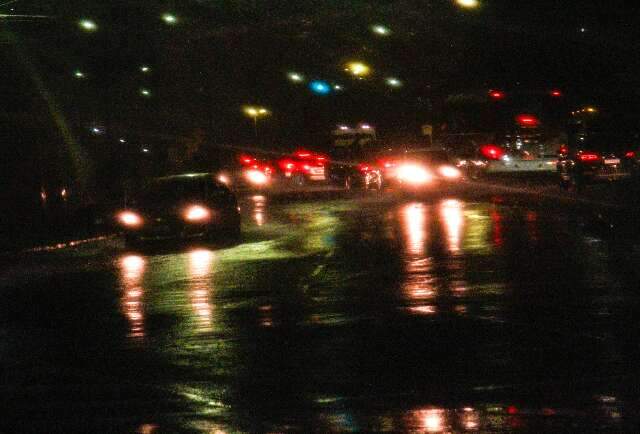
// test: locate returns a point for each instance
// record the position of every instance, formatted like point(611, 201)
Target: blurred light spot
point(320, 87)
point(381, 30)
point(78, 74)
point(145, 92)
point(88, 25)
point(295, 77)
point(169, 19)
point(358, 69)
point(393, 82)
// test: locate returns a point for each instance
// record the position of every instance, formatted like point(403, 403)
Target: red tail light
point(364, 168)
point(492, 152)
point(630, 154)
point(527, 121)
point(302, 154)
point(496, 94)
point(286, 165)
point(246, 160)
point(589, 156)
point(564, 149)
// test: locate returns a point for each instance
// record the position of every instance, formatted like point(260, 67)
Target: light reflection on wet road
point(435, 314)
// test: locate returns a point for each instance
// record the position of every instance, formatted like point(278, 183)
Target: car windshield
point(172, 191)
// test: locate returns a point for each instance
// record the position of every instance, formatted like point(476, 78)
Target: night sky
point(220, 55)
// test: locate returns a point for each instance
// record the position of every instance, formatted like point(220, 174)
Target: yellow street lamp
point(468, 4)
point(358, 69)
point(254, 113)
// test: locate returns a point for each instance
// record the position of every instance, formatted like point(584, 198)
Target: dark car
point(596, 156)
point(181, 206)
point(355, 168)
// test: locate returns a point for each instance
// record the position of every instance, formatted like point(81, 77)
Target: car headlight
point(256, 177)
point(224, 178)
point(130, 219)
point(414, 174)
point(449, 172)
point(197, 214)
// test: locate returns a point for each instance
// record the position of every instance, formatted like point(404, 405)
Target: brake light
point(564, 149)
point(630, 154)
point(302, 154)
point(527, 121)
point(364, 168)
point(492, 152)
point(246, 159)
point(589, 156)
point(497, 94)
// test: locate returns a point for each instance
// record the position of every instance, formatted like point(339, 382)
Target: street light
point(358, 69)
point(295, 77)
point(145, 92)
point(78, 74)
point(393, 82)
point(88, 25)
point(169, 19)
point(468, 4)
point(254, 113)
point(145, 68)
point(380, 30)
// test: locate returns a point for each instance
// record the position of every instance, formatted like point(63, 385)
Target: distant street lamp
point(358, 69)
point(88, 25)
point(393, 82)
point(145, 92)
point(78, 74)
point(145, 69)
point(169, 19)
point(295, 77)
point(254, 113)
point(468, 4)
point(381, 30)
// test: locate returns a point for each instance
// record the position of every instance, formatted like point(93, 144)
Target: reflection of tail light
point(492, 152)
point(589, 157)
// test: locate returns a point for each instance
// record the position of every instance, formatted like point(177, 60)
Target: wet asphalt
point(449, 311)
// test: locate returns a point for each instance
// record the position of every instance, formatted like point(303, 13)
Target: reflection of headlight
point(414, 174)
point(256, 177)
point(449, 172)
point(197, 213)
point(130, 219)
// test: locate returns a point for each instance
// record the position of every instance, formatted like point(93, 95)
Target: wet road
point(437, 313)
